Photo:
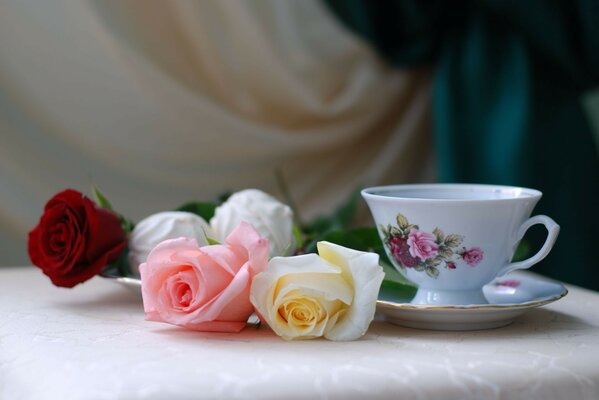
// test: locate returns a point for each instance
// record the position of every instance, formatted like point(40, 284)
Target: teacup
point(452, 239)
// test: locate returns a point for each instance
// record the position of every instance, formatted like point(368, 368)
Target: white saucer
point(508, 297)
point(131, 283)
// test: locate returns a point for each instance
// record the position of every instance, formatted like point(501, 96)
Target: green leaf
point(445, 252)
point(439, 235)
point(384, 230)
point(100, 198)
point(362, 239)
point(409, 228)
point(454, 240)
point(203, 209)
point(346, 214)
point(368, 235)
point(402, 221)
point(391, 274)
point(433, 262)
point(396, 232)
point(419, 267)
point(298, 236)
point(345, 238)
point(396, 291)
point(432, 272)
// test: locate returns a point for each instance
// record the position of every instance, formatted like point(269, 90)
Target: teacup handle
point(552, 232)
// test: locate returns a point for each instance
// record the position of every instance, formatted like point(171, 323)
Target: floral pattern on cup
point(510, 283)
point(427, 252)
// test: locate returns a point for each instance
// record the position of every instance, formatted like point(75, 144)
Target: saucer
point(130, 282)
point(509, 297)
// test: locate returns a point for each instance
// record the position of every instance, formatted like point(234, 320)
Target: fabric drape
point(158, 102)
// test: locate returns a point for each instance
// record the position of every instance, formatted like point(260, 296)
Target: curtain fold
point(160, 102)
point(507, 90)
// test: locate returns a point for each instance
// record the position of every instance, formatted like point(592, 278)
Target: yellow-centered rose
point(332, 294)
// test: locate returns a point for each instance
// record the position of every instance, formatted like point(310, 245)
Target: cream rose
point(271, 218)
point(332, 294)
point(162, 226)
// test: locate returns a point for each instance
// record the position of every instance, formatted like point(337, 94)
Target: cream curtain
point(159, 102)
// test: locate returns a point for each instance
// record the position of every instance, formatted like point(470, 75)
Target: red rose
point(75, 239)
point(401, 252)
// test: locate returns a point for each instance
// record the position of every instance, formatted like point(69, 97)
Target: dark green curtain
point(509, 76)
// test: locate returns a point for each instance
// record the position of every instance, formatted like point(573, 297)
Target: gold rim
point(407, 306)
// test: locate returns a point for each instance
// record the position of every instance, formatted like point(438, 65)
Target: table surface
point(92, 342)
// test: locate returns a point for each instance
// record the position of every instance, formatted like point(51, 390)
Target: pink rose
point(422, 245)
point(203, 288)
point(472, 256)
point(401, 252)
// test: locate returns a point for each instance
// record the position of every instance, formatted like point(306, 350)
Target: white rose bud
point(162, 226)
point(271, 218)
point(332, 294)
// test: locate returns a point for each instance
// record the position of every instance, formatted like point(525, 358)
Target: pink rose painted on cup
point(422, 245)
point(401, 252)
point(472, 256)
point(203, 288)
point(409, 247)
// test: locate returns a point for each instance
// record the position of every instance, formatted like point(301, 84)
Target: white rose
point(162, 226)
point(271, 218)
point(332, 295)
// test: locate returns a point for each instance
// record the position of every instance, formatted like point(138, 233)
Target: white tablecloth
point(92, 342)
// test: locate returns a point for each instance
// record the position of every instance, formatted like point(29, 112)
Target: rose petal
point(329, 287)
point(367, 276)
point(213, 278)
point(225, 257)
point(269, 288)
point(233, 303)
point(246, 237)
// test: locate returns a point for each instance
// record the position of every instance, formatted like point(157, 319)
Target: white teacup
point(452, 239)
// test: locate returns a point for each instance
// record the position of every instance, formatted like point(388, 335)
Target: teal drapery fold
point(509, 76)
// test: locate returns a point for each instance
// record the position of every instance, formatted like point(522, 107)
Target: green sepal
point(211, 241)
point(126, 224)
point(100, 199)
point(298, 236)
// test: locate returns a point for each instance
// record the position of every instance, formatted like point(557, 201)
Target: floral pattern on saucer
point(424, 251)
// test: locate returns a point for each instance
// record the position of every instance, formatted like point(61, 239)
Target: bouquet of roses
point(209, 266)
